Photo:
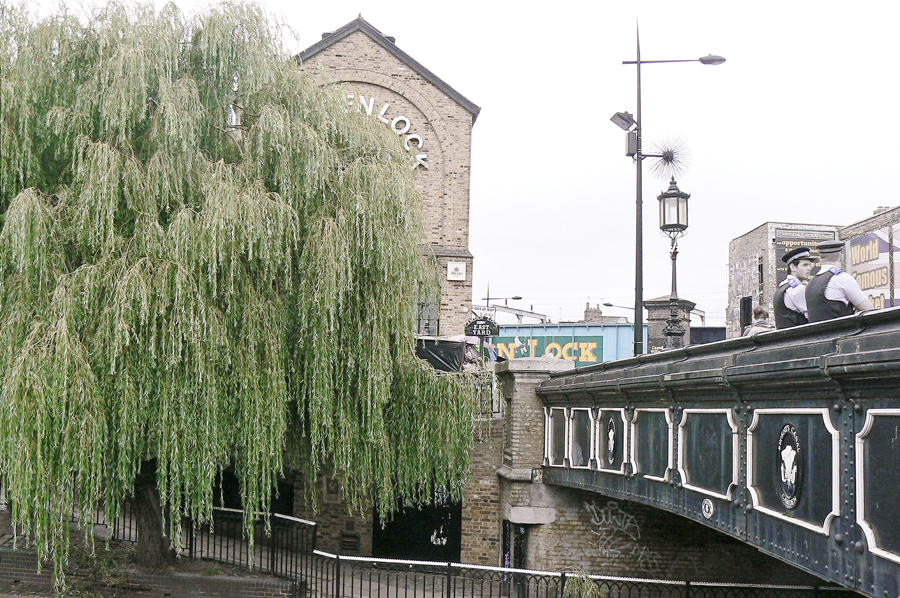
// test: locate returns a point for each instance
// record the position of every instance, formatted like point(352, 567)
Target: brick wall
point(523, 441)
point(744, 255)
point(481, 506)
point(456, 296)
point(480, 511)
point(335, 522)
point(621, 538)
point(18, 571)
point(387, 88)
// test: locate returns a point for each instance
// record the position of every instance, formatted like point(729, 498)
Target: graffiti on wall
point(618, 535)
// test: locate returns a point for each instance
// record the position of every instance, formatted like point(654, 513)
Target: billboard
point(583, 350)
point(871, 263)
point(787, 239)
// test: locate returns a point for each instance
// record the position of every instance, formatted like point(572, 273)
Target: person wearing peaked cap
point(790, 297)
point(833, 293)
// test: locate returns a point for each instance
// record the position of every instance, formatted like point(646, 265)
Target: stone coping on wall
point(864, 345)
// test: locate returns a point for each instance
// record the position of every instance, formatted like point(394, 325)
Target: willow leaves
point(205, 260)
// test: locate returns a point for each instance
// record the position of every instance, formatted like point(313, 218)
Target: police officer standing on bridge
point(833, 293)
point(790, 297)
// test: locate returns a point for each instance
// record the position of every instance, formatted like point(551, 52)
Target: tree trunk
point(152, 544)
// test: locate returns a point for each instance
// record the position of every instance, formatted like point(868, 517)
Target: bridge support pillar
point(525, 501)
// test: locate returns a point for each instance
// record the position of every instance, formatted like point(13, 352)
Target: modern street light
point(632, 125)
point(505, 299)
point(673, 221)
point(619, 306)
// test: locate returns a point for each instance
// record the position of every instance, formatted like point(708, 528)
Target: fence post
point(562, 585)
point(687, 589)
point(816, 593)
point(449, 581)
point(272, 535)
point(337, 577)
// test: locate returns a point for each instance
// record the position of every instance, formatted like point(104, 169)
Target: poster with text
point(870, 262)
point(787, 239)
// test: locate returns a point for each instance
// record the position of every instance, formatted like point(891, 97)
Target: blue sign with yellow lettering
point(583, 350)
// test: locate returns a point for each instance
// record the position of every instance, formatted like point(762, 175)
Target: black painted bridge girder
point(788, 441)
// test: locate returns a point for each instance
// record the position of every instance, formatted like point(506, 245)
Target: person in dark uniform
point(833, 293)
point(790, 297)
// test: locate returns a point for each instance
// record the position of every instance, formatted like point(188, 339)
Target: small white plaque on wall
point(456, 271)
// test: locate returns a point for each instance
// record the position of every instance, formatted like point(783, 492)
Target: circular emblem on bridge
point(790, 466)
point(707, 508)
point(610, 441)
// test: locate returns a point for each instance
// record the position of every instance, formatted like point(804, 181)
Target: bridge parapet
point(789, 441)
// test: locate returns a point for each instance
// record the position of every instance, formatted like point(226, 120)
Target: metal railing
point(288, 551)
point(337, 576)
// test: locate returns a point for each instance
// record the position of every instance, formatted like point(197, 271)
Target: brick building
point(755, 268)
point(435, 122)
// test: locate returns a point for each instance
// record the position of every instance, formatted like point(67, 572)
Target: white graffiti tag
point(617, 534)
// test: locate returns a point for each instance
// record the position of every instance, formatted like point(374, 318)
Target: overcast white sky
point(801, 124)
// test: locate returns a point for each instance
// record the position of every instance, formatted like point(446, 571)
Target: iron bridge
point(788, 441)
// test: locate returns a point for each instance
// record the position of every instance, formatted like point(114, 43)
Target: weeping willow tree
point(206, 260)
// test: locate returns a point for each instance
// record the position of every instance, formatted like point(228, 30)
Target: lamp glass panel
point(683, 211)
point(671, 211)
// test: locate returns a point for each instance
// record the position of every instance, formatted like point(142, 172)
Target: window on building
point(760, 267)
point(428, 321)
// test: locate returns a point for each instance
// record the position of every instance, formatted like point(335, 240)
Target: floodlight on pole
point(623, 120)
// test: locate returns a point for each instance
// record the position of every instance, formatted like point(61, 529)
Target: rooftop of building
point(388, 43)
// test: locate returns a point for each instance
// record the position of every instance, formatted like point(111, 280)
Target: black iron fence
point(337, 576)
point(288, 551)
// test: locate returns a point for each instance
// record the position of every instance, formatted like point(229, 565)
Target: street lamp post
point(626, 122)
point(673, 221)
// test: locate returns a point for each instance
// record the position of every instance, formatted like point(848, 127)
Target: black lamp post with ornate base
point(673, 221)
